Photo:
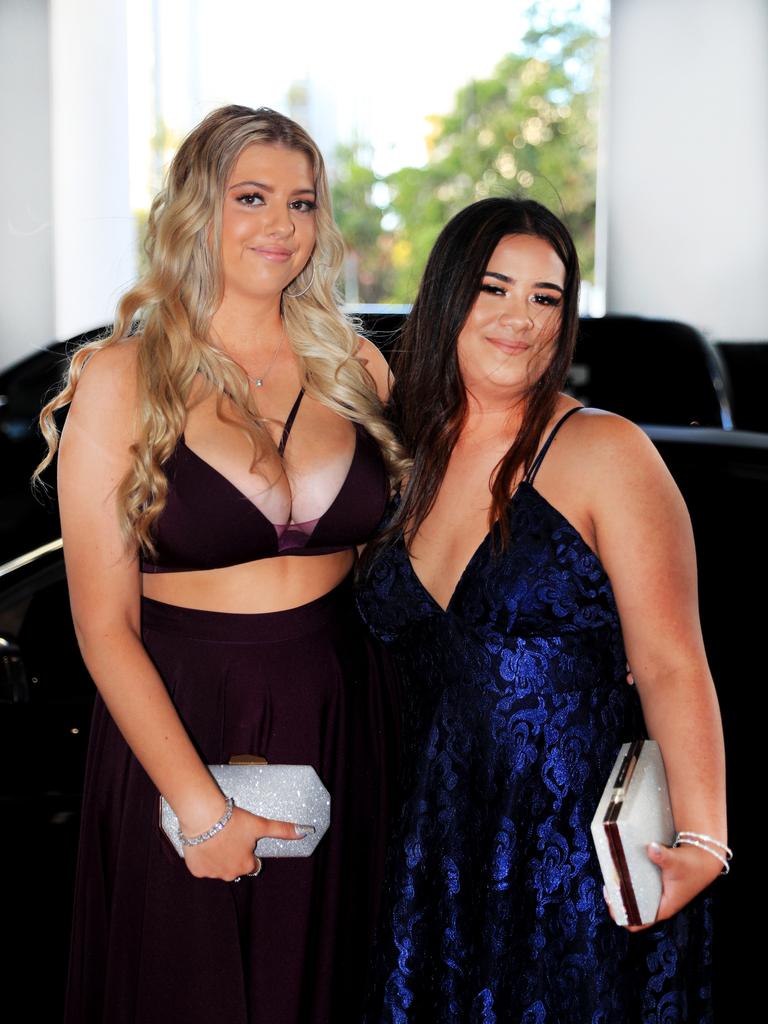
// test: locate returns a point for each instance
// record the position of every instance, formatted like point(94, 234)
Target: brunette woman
point(221, 460)
point(536, 544)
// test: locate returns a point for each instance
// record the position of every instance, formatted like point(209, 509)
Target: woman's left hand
point(685, 872)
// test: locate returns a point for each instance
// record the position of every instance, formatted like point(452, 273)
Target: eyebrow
point(511, 280)
point(269, 188)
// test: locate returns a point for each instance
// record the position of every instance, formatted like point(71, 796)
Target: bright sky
point(378, 70)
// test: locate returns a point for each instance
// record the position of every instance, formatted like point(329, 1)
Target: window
point(417, 112)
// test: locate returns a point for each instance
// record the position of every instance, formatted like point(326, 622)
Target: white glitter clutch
point(633, 812)
point(288, 792)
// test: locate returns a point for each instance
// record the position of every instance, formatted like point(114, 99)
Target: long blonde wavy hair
point(169, 312)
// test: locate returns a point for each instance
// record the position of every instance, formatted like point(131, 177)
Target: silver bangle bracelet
point(727, 851)
point(212, 831)
point(683, 840)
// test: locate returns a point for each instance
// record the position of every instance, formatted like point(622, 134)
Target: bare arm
point(104, 587)
point(644, 540)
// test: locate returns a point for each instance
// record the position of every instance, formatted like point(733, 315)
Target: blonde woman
point(223, 456)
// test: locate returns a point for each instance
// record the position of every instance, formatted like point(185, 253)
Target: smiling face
point(268, 221)
point(509, 336)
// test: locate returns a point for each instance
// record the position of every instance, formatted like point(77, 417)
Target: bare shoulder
point(106, 397)
point(615, 461)
point(604, 439)
point(375, 363)
point(113, 366)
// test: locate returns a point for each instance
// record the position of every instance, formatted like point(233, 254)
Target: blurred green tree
point(358, 195)
point(530, 129)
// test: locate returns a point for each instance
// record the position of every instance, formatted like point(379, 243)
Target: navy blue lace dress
point(515, 704)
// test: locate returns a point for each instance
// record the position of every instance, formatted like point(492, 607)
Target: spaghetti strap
point(536, 465)
point(289, 423)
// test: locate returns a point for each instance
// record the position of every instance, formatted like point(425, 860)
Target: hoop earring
point(297, 295)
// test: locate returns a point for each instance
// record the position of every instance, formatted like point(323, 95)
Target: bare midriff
point(267, 585)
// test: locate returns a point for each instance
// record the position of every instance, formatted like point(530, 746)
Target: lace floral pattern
point(515, 705)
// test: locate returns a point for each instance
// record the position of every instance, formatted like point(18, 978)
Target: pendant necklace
point(258, 382)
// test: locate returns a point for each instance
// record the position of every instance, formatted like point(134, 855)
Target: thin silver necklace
point(258, 382)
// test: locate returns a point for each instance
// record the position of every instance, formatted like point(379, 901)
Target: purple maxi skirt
point(153, 944)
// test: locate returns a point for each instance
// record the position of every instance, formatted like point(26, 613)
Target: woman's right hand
point(230, 853)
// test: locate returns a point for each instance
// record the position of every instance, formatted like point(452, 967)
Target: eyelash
point(302, 205)
point(540, 298)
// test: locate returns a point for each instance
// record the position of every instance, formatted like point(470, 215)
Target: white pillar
point(94, 231)
point(26, 242)
point(686, 164)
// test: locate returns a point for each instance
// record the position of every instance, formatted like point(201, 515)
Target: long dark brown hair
point(429, 401)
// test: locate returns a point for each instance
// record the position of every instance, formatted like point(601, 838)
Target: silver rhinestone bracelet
point(726, 850)
point(708, 844)
point(212, 831)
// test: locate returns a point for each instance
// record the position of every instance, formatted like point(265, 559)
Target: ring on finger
point(256, 871)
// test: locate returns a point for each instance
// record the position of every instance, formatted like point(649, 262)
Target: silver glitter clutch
point(633, 812)
point(288, 792)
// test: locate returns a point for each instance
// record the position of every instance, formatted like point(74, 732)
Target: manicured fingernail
point(304, 830)
point(654, 847)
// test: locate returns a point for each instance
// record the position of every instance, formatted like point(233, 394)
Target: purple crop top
point(207, 523)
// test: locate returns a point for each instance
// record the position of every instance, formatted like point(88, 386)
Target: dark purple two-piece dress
point(304, 686)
